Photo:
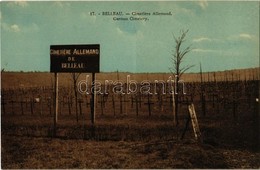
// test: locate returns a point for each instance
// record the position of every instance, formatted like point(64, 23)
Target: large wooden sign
point(75, 58)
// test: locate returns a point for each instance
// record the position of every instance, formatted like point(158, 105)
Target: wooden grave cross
point(136, 103)
point(149, 103)
point(124, 101)
point(113, 104)
point(22, 110)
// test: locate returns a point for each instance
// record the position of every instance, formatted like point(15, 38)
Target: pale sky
point(223, 35)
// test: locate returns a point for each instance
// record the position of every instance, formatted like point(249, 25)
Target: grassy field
point(125, 139)
point(39, 79)
point(37, 152)
point(145, 143)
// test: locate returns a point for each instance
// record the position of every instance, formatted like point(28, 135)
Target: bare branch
point(179, 54)
point(185, 69)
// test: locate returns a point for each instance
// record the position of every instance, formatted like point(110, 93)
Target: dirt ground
point(32, 152)
point(149, 143)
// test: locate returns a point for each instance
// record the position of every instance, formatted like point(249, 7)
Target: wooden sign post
point(56, 103)
point(74, 59)
point(92, 105)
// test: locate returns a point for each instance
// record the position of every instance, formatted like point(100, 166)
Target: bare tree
point(178, 56)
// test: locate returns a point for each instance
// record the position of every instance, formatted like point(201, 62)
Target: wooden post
point(80, 107)
point(26, 103)
point(22, 106)
point(125, 105)
point(113, 103)
point(149, 103)
point(140, 100)
point(3, 103)
point(203, 105)
point(173, 104)
point(63, 101)
point(87, 103)
point(101, 104)
point(121, 104)
point(49, 105)
point(56, 103)
point(93, 94)
point(132, 101)
point(136, 104)
point(76, 104)
point(31, 104)
point(41, 103)
point(3, 107)
point(213, 100)
point(60, 110)
point(160, 102)
point(69, 104)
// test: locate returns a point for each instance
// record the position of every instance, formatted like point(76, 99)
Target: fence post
point(93, 95)
point(3, 102)
point(56, 103)
point(113, 103)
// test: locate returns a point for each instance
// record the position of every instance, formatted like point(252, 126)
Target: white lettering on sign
point(72, 65)
point(60, 52)
point(75, 52)
point(85, 51)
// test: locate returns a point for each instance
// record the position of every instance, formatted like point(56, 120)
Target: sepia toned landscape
point(130, 84)
point(131, 130)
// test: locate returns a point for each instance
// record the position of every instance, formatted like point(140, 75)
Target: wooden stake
point(3, 104)
point(31, 104)
point(92, 106)
point(121, 104)
point(113, 104)
point(149, 103)
point(69, 105)
point(173, 105)
point(80, 107)
point(203, 105)
point(136, 104)
point(41, 103)
point(22, 106)
point(56, 103)
point(125, 104)
point(93, 100)
point(49, 104)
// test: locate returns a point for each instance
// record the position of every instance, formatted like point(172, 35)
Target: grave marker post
point(56, 103)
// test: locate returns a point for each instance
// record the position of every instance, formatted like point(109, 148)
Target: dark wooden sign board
point(74, 59)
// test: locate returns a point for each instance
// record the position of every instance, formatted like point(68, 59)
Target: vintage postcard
point(130, 84)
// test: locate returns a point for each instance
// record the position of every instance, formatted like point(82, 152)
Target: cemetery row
point(234, 97)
